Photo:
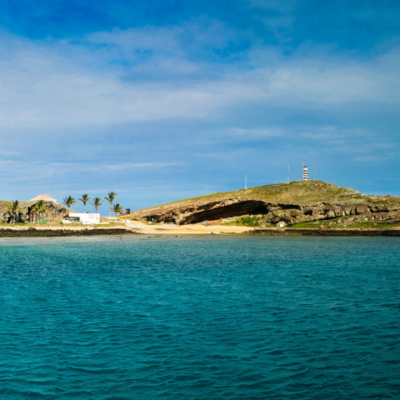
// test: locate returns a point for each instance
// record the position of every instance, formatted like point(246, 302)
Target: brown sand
point(196, 229)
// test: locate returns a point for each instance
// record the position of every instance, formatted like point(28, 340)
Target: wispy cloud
point(256, 132)
point(211, 98)
point(51, 86)
point(118, 167)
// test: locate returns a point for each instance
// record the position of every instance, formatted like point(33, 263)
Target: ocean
point(216, 317)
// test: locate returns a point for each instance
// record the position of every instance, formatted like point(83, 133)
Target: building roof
point(43, 197)
point(78, 214)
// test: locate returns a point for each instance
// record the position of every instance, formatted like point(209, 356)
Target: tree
point(40, 207)
point(14, 208)
point(85, 198)
point(111, 197)
point(69, 201)
point(117, 209)
point(96, 203)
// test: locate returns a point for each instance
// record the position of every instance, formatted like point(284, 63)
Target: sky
point(168, 99)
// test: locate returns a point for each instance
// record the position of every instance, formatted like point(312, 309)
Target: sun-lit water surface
point(200, 318)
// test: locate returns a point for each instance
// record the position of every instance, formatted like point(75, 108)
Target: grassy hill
point(296, 192)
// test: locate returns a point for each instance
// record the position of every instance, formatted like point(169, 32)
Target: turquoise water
point(200, 318)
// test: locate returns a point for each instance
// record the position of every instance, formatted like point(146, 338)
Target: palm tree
point(14, 208)
point(85, 198)
point(111, 197)
point(40, 207)
point(96, 203)
point(69, 201)
point(117, 209)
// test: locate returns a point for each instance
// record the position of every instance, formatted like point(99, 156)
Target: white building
point(305, 173)
point(82, 218)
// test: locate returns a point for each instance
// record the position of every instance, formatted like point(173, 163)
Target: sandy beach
point(140, 228)
point(195, 229)
point(133, 227)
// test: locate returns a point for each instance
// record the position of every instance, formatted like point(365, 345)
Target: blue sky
point(162, 100)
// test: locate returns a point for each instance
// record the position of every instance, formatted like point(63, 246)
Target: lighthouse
point(305, 172)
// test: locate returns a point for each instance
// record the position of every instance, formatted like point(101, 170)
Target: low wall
point(33, 232)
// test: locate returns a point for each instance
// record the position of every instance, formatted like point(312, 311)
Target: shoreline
point(143, 229)
point(326, 232)
point(63, 232)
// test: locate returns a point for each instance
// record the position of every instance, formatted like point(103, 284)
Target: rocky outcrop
point(270, 213)
point(326, 211)
point(56, 212)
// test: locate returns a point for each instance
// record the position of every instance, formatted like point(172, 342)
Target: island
point(293, 208)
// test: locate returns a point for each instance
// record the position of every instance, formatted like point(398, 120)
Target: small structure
point(127, 211)
point(305, 172)
point(82, 218)
point(45, 198)
point(227, 220)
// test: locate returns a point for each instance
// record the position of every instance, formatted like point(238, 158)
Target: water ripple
point(200, 318)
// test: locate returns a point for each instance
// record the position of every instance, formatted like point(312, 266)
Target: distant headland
point(293, 208)
point(297, 204)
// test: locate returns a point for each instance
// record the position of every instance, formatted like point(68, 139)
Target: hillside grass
point(296, 192)
point(250, 221)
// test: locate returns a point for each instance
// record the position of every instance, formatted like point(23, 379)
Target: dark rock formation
point(270, 213)
point(324, 232)
point(32, 232)
point(326, 211)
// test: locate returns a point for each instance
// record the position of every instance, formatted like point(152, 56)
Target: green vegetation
point(251, 221)
point(111, 197)
point(16, 224)
point(40, 207)
point(69, 201)
point(117, 209)
point(97, 202)
point(4, 205)
point(85, 198)
point(341, 223)
point(14, 206)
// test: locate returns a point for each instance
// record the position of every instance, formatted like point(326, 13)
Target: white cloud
point(40, 88)
point(117, 167)
point(335, 85)
point(57, 84)
point(254, 133)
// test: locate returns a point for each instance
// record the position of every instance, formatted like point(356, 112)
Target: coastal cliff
point(287, 203)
